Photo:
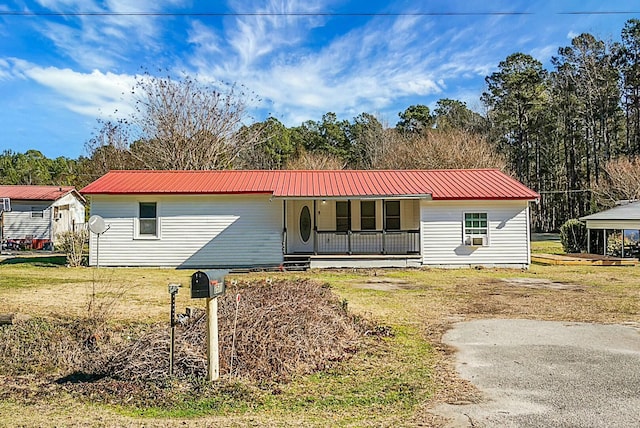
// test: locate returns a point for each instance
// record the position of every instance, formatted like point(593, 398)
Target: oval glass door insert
point(305, 224)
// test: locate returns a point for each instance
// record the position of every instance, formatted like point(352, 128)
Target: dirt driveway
point(547, 373)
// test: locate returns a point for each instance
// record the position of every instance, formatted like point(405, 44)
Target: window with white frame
point(476, 230)
point(148, 219)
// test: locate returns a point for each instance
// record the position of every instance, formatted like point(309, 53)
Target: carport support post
point(213, 358)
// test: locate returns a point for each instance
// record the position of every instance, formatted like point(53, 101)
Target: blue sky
point(60, 71)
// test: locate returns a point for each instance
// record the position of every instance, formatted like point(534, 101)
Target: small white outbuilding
point(33, 216)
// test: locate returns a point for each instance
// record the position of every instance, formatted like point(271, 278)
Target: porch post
point(384, 227)
point(284, 226)
point(315, 228)
point(349, 228)
point(622, 244)
point(588, 241)
point(604, 239)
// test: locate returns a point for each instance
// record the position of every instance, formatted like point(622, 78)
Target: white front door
point(300, 227)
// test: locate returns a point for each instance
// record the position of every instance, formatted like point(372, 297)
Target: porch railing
point(368, 242)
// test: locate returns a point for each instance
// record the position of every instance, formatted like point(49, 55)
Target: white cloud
point(366, 69)
point(104, 41)
point(204, 38)
point(94, 94)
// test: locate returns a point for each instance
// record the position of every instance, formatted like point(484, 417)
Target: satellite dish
point(96, 225)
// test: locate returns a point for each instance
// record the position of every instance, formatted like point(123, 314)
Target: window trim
point(387, 217)
point(362, 216)
point(468, 238)
point(143, 236)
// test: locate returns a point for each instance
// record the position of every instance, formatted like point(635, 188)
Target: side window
point(36, 213)
point(368, 215)
point(343, 216)
point(392, 215)
point(148, 219)
point(476, 230)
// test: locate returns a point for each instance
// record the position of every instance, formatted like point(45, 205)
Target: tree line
point(572, 132)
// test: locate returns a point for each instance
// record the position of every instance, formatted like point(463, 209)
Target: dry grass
point(418, 304)
point(73, 292)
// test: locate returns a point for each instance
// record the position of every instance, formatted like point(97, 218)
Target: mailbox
point(208, 283)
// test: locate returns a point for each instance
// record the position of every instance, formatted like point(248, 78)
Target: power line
point(223, 14)
point(297, 14)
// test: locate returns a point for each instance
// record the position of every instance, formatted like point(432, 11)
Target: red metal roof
point(440, 184)
point(37, 193)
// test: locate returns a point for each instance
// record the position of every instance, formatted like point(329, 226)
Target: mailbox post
point(173, 290)
point(210, 285)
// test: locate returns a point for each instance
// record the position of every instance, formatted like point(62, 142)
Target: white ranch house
point(250, 219)
point(36, 215)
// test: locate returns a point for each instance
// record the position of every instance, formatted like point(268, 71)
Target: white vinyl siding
point(442, 229)
point(197, 231)
point(20, 221)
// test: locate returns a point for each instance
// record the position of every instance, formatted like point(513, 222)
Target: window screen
point(148, 219)
point(368, 215)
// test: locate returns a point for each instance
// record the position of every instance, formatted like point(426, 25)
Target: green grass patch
point(13, 281)
point(389, 377)
point(51, 261)
point(547, 247)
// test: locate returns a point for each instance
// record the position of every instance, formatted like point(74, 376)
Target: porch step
point(365, 261)
point(296, 262)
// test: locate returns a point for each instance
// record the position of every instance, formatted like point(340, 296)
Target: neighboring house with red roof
point(345, 218)
point(35, 215)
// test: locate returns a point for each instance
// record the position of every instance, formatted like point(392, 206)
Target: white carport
point(624, 218)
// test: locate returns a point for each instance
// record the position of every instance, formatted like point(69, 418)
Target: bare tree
point(622, 182)
point(437, 149)
point(108, 149)
point(181, 124)
point(316, 160)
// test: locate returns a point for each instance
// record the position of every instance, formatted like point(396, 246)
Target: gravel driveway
point(547, 374)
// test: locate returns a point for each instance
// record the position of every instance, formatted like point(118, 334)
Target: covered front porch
point(346, 227)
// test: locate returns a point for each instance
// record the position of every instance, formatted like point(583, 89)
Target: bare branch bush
point(284, 329)
point(72, 243)
point(103, 294)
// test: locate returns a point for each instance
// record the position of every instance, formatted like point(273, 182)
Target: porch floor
point(583, 259)
point(359, 260)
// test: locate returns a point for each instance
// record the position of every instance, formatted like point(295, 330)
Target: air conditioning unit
point(475, 241)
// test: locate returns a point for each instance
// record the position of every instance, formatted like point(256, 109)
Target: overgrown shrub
point(573, 235)
point(72, 244)
point(284, 328)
